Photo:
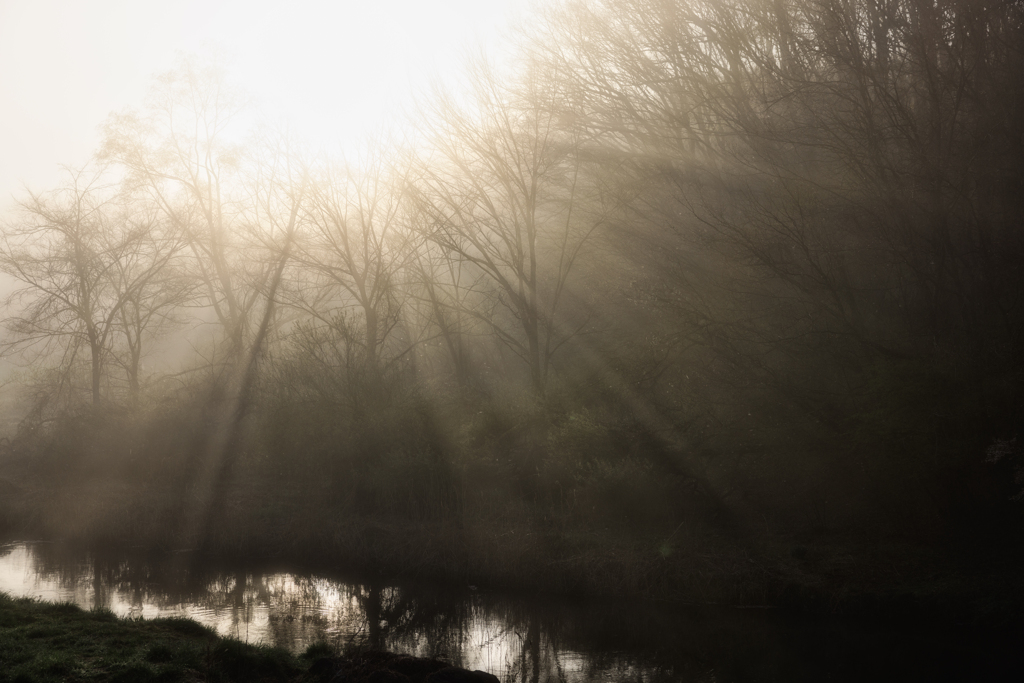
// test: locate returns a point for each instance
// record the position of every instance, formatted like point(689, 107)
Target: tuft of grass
point(319, 650)
point(159, 653)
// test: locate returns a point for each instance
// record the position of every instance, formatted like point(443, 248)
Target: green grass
point(41, 642)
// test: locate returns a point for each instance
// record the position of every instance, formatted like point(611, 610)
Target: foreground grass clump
point(42, 642)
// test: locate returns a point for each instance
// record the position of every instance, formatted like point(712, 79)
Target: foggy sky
point(332, 69)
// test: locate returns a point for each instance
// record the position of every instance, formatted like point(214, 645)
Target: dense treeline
point(694, 270)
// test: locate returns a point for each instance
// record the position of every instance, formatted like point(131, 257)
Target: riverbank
point(42, 642)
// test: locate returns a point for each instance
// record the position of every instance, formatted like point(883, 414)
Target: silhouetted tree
point(840, 174)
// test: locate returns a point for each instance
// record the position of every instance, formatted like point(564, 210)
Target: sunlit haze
point(332, 70)
point(533, 336)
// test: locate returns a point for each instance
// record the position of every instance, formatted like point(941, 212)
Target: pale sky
point(333, 68)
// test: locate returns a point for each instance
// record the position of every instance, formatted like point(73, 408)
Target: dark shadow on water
point(519, 638)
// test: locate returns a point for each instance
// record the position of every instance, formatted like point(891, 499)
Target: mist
point(677, 302)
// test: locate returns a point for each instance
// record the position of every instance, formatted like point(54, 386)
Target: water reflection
point(518, 639)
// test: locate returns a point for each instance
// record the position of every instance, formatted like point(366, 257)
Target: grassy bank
point(42, 642)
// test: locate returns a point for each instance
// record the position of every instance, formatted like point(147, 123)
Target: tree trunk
point(97, 369)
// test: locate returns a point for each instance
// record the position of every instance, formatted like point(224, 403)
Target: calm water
point(518, 638)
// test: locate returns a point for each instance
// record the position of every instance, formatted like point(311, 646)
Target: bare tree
point(355, 244)
point(501, 187)
point(440, 282)
point(826, 156)
point(182, 150)
point(152, 307)
point(83, 256)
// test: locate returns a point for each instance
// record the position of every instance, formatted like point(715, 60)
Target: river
point(518, 637)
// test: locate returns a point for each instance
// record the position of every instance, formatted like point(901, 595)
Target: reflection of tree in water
point(520, 640)
point(306, 610)
point(523, 642)
point(100, 592)
point(74, 571)
point(139, 579)
point(243, 598)
point(425, 623)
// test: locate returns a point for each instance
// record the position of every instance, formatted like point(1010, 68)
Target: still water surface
point(519, 638)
